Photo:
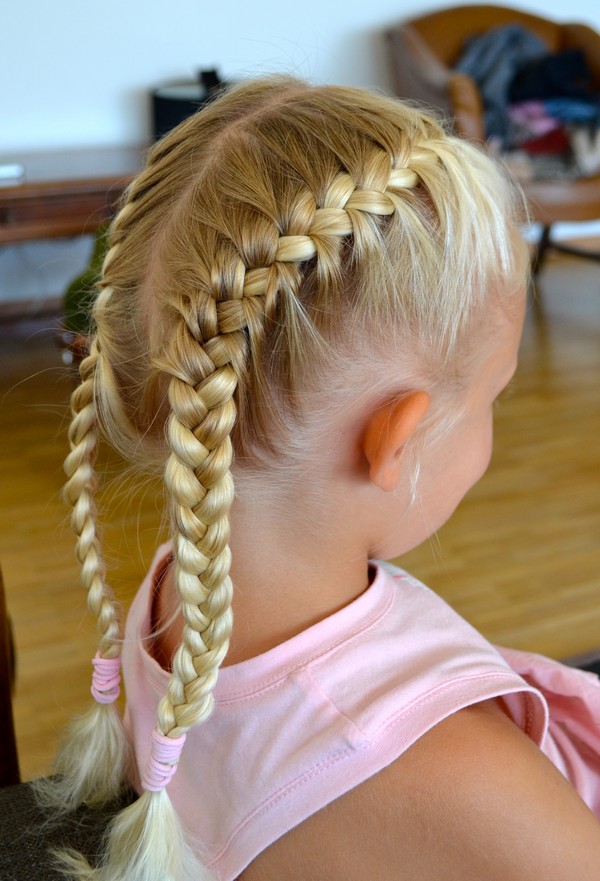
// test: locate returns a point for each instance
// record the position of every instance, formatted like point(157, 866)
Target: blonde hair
point(271, 236)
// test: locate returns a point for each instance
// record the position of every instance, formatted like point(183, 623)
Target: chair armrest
point(417, 72)
point(467, 107)
point(420, 75)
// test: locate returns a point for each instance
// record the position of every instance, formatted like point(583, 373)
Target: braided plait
point(199, 481)
point(93, 761)
point(342, 215)
point(82, 480)
point(206, 356)
point(79, 492)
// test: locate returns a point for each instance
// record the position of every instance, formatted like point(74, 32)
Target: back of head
point(275, 242)
point(278, 221)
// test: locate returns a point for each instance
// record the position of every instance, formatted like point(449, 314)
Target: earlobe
point(388, 430)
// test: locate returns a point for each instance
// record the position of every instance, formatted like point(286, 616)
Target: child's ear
point(386, 435)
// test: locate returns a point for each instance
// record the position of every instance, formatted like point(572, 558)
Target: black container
point(173, 103)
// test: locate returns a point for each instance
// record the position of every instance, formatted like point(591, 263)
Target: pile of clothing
point(541, 110)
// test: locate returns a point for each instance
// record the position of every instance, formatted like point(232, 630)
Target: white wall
point(75, 74)
point(82, 77)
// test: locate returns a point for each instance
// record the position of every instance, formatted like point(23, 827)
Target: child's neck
point(301, 579)
point(286, 576)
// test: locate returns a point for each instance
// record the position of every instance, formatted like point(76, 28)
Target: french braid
point(78, 492)
point(91, 764)
point(203, 414)
point(257, 227)
point(93, 761)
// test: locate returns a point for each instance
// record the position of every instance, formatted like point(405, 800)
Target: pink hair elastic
point(105, 679)
point(162, 763)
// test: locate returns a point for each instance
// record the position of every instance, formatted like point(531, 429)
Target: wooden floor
point(520, 559)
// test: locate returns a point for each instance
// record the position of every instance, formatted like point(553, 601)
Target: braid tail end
point(145, 842)
point(92, 762)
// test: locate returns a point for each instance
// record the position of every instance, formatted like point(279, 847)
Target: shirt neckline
point(265, 670)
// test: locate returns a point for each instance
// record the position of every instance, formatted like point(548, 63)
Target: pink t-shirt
point(295, 728)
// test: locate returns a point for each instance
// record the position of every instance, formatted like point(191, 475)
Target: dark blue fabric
point(492, 60)
point(562, 74)
point(574, 110)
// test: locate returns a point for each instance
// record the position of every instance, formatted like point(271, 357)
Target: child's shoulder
point(473, 795)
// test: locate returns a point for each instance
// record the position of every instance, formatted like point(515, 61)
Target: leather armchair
point(424, 51)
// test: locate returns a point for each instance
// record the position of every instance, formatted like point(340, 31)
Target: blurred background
point(75, 77)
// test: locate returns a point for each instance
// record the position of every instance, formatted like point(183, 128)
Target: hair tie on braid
point(163, 760)
point(106, 679)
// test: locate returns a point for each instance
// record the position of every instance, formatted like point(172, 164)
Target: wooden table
point(64, 193)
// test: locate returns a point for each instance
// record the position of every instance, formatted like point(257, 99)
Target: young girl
point(312, 299)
